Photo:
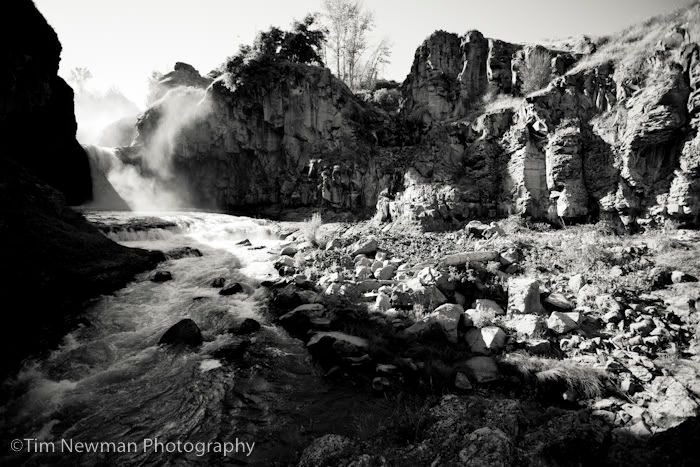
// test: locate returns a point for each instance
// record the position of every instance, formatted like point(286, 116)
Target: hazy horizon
point(122, 42)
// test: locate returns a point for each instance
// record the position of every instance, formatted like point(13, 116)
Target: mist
point(105, 118)
point(143, 174)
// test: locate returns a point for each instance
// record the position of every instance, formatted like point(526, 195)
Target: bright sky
point(123, 41)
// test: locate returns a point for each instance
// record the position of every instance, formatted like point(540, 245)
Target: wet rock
point(184, 332)
point(245, 242)
point(183, 252)
point(487, 340)
point(162, 276)
point(364, 247)
point(482, 369)
point(561, 323)
point(231, 289)
point(232, 351)
point(325, 451)
point(524, 296)
point(380, 384)
point(299, 320)
point(248, 326)
point(487, 446)
point(219, 282)
point(283, 262)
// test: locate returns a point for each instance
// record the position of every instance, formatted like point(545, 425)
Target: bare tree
point(78, 77)
point(349, 23)
point(374, 64)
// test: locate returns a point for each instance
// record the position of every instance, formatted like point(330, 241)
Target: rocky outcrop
point(37, 124)
point(294, 135)
point(183, 74)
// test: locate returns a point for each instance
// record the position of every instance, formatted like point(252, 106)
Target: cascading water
point(111, 381)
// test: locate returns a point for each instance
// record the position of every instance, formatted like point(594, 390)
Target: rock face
point(37, 123)
point(56, 258)
point(292, 135)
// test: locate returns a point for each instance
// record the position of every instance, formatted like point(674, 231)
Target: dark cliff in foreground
point(613, 136)
point(52, 257)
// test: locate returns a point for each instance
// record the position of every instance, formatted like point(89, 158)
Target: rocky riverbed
point(500, 343)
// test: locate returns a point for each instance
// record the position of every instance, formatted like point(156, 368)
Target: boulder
point(333, 346)
point(460, 259)
point(671, 405)
point(487, 340)
point(184, 332)
point(299, 320)
point(231, 289)
point(524, 296)
point(162, 276)
point(385, 272)
point(248, 326)
point(525, 325)
point(486, 305)
point(367, 246)
point(561, 322)
point(462, 382)
point(233, 350)
point(678, 277)
point(557, 302)
point(219, 282)
point(183, 252)
point(289, 250)
point(449, 317)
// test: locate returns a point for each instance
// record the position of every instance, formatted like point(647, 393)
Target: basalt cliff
point(604, 140)
point(52, 257)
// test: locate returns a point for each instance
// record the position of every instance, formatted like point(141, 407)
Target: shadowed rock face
point(37, 124)
point(53, 258)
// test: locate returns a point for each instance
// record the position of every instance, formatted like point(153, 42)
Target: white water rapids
point(111, 381)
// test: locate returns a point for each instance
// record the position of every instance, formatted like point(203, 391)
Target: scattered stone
point(524, 296)
point(672, 404)
point(487, 340)
point(183, 252)
point(561, 322)
point(248, 326)
point(383, 302)
point(678, 277)
point(526, 325)
point(484, 304)
point(587, 294)
point(364, 247)
point(162, 276)
point(245, 242)
point(643, 327)
point(510, 256)
point(184, 332)
point(576, 282)
point(289, 250)
point(219, 282)
point(385, 272)
point(557, 302)
point(232, 289)
point(469, 256)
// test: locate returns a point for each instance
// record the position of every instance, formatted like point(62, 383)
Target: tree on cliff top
point(302, 44)
point(349, 23)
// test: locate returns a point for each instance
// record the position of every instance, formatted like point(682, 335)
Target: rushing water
point(110, 381)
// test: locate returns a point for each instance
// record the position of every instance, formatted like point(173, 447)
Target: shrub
point(387, 99)
point(536, 71)
point(311, 227)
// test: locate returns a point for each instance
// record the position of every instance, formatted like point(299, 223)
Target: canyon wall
point(52, 257)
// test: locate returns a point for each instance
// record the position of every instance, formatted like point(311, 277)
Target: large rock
point(184, 332)
point(524, 296)
point(672, 404)
point(487, 446)
point(487, 340)
point(482, 369)
point(324, 451)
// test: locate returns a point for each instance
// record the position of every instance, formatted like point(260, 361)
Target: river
point(110, 381)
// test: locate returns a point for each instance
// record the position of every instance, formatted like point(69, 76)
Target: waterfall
point(118, 186)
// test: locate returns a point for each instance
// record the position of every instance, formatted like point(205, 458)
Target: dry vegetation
point(630, 49)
